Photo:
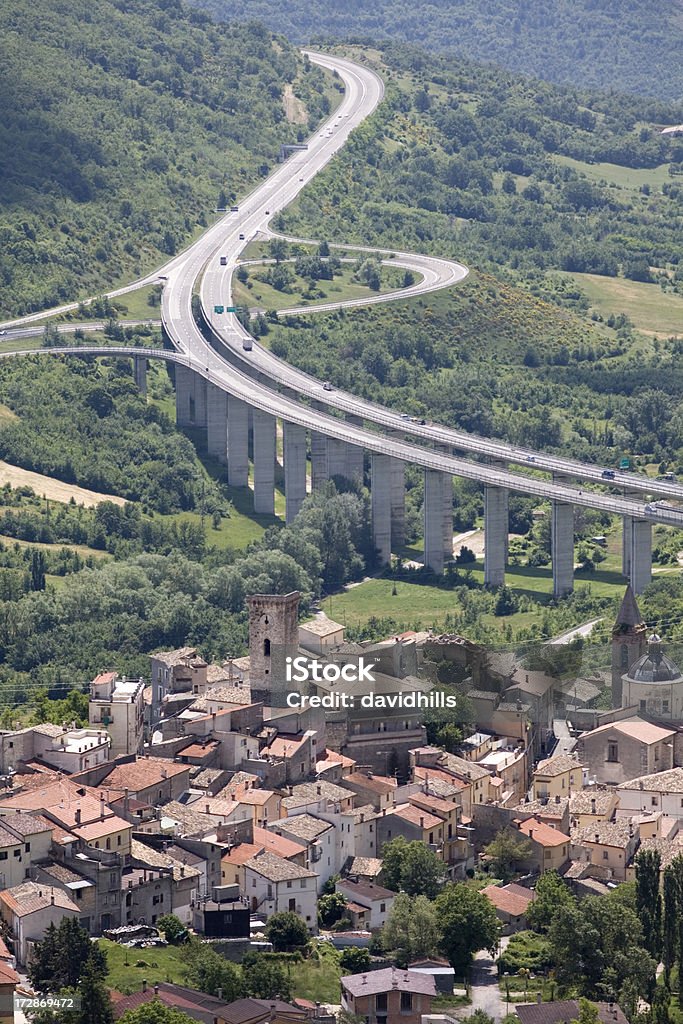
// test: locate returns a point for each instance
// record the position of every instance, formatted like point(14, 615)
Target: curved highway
point(247, 374)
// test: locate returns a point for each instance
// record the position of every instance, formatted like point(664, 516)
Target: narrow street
point(484, 991)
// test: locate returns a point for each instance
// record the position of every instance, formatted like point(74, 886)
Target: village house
point(389, 995)
point(592, 805)
point(28, 910)
point(273, 884)
point(550, 849)
point(377, 900)
point(511, 903)
point(647, 794)
point(118, 706)
point(608, 845)
point(618, 751)
point(557, 776)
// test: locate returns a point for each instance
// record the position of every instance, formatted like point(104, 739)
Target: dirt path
point(55, 490)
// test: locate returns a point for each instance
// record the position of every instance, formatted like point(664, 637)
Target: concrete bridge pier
point(354, 453)
point(626, 543)
point(140, 373)
point(264, 462)
point(337, 458)
point(200, 387)
point(217, 422)
point(562, 548)
point(435, 484)
point(496, 526)
point(640, 560)
point(380, 484)
point(184, 396)
point(295, 469)
point(447, 524)
point(398, 504)
point(238, 443)
point(319, 462)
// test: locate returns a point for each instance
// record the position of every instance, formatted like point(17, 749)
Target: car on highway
point(405, 416)
point(301, 178)
point(3, 332)
point(234, 209)
point(327, 386)
point(241, 237)
point(608, 474)
point(267, 213)
point(531, 458)
point(224, 261)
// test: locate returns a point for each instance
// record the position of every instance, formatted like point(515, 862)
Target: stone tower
point(273, 636)
point(629, 641)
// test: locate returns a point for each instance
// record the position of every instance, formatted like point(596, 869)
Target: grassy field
point(317, 980)
point(165, 963)
point(82, 549)
point(650, 309)
point(615, 174)
point(342, 288)
point(137, 307)
point(49, 487)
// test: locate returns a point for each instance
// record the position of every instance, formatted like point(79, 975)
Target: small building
point(258, 1011)
point(550, 849)
point(608, 845)
point(388, 996)
point(438, 969)
point(370, 788)
point(511, 903)
point(377, 900)
point(28, 910)
point(118, 706)
point(557, 776)
point(320, 635)
point(618, 751)
point(196, 1005)
point(273, 884)
point(592, 805)
point(647, 794)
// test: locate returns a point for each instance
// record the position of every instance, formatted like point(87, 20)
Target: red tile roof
point(543, 834)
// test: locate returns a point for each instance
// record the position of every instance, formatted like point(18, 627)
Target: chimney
point(557, 799)
point(52, 899)
point(422, 821)
point(78, 815)
point(527, 677)
point(597, 838)
point(319, 790)
point(208, 808)
point(593, 805)
point(164, 773)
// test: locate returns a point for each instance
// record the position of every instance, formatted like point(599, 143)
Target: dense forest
point(123, 122)
point(628, 45)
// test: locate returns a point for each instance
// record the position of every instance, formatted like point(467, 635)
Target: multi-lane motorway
point(254, 375)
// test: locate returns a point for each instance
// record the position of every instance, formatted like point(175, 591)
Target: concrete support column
point(140, 373)
point(496, 526)
point(626, 541)
point(295, 469)
point(319, 461)
point(184, 396)
point(447, 525)
point(217, 422)
point(640, 573)
point(354, 454)
point(200, 386)
point(336, 457)
point(264, 463)
point(238, 443)
point(380, 483)
point(398, 504)
point(434, 486)
point(562, 548)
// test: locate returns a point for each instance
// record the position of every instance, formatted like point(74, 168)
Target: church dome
point(654, 667)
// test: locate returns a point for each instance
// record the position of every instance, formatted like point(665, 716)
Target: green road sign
point(218, 309)
point(231, 309)
point(624, 463)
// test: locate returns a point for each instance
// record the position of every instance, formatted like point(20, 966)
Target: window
point(11, 745)
point(655, 801)
point(431, 837)
point(612, 751)
point(643, 705)
point(605, 855)
point(303, 880)
point(27, 847)
point(381, 1002)
point(624, 656)
point(665, 707)
point(289, 884)
point(382, 908)
point(266, 648)
point(108, 843)
point(406, 1002)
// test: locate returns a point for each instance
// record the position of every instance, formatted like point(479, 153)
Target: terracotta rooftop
point(543, 834)
point(142, 773)
point(181, 656)
point(562, 1011)
point(416, 816)
point(321, 626)
point(311, 792)
point(284, 746)
point(582, 802)
point(511, 902)
point(364, 890)
point(279, 845)
point(98, 829)
point(617, 833)
point(379, 784)
point(161, 859)
point(635, 728)
point(435, 803)
point(368, 867)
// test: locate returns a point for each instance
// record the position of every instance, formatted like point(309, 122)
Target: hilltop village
point(201, 794)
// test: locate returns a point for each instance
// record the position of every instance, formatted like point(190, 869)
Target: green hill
point(630, 45)
point(121, 124)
